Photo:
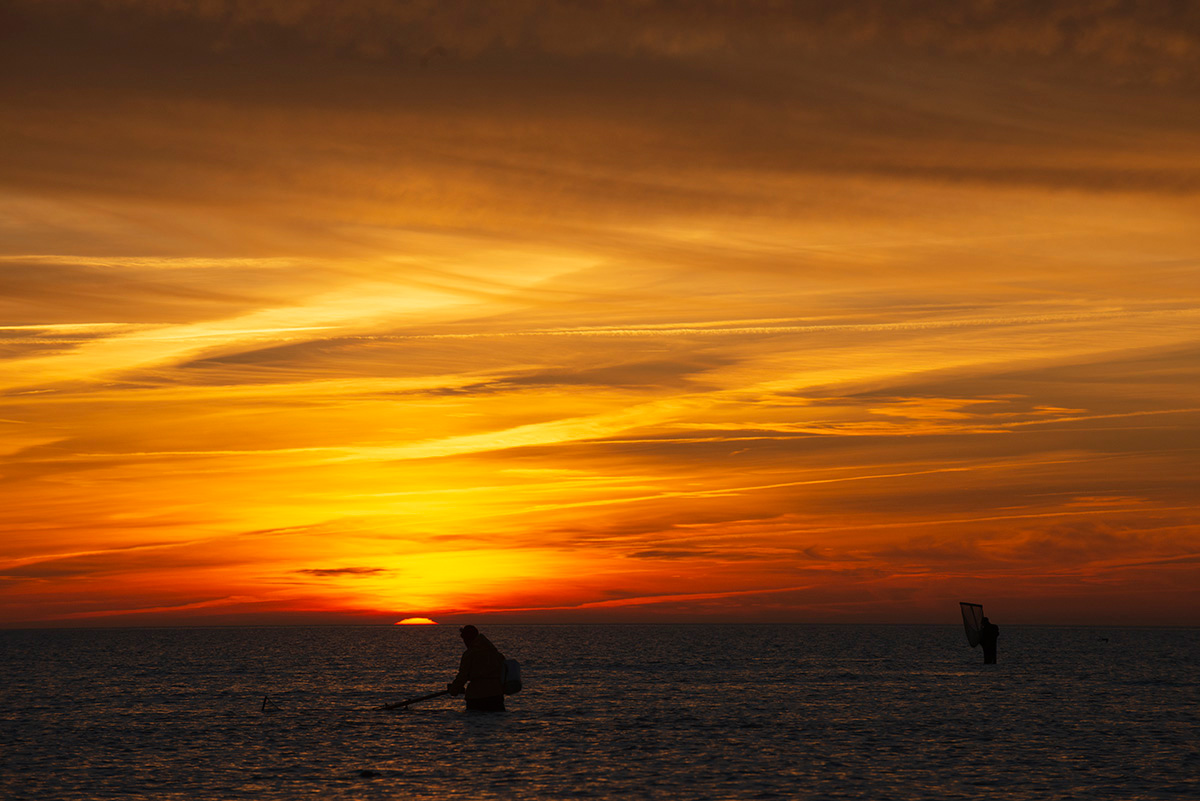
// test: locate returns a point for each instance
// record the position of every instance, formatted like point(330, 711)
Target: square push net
point(972, 620)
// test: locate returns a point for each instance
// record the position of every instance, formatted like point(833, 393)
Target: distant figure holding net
point(480, 673)
point(980, 630)
point(988, 633)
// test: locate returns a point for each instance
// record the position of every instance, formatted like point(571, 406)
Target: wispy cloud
point(330, 572)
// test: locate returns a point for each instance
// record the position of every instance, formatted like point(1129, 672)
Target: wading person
point(480, 673)
point(988, 632)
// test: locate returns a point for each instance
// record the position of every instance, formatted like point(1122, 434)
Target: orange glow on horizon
point(416, 621)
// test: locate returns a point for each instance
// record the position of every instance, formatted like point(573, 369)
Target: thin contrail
point(644, 600)
point(735, 328)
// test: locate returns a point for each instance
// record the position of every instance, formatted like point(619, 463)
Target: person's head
point(985, 620)
point(468, 633)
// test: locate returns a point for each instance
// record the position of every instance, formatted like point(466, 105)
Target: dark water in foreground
point(887, 712)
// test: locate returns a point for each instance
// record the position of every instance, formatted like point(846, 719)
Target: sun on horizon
point(416, 621)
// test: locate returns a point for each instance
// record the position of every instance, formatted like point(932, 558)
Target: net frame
point(972, 615)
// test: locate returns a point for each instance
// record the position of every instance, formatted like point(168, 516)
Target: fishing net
point(972, 621)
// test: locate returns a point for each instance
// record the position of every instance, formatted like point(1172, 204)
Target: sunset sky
point(560, 311)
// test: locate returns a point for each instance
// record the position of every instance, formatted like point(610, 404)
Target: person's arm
point(458, 686)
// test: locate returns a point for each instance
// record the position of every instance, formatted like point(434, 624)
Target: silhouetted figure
point(480, 673)
point(988, 632)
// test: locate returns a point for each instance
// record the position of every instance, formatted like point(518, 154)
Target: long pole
point(402, 704)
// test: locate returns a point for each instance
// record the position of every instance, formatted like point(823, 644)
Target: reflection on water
point(637, 711)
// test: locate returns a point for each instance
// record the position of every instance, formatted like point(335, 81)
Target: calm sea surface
point(874, 712)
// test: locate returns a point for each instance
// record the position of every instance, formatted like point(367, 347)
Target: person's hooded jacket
point(481, 671)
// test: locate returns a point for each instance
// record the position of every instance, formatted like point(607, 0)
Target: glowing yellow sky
point(539, 311)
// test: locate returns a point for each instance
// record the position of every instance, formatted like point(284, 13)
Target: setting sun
point(416, 621)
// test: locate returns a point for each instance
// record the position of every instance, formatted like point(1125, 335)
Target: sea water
point(608, 711)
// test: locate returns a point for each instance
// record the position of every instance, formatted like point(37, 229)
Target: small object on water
point(368, 774)
point(268, 705)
